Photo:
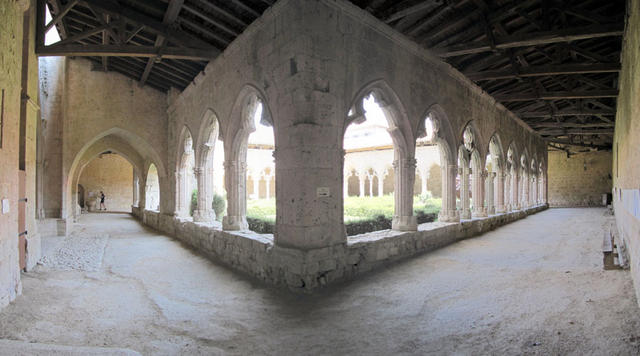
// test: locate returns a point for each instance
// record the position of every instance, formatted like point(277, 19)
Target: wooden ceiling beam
point(421, 6)
point(562, 113)
point(170, 16)
point(532, 39)
point(543, 71)
point(75, 50)
point(557, 95)
point(138, 18)
point(61, 13)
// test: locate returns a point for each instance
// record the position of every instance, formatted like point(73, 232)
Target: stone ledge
point(257, 255)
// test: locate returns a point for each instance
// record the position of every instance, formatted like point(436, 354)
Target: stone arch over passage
point(152, 188)
point(129, 145)
point(378, 108)
point(185, 173)
point(205, 150)
point(436, 128)
point(250, 114)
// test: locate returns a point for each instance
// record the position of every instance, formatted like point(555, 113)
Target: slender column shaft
point(490, 186)
point(235, 181)
point(465, 201)
point(405, 175)
point(448, 212)
point(380, 184)
point(361, 184)
point(500, 206)
point(479, 209)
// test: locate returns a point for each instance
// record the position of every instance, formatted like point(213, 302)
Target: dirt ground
point(532, 287)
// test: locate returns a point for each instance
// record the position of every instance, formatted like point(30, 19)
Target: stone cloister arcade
point(204, 138)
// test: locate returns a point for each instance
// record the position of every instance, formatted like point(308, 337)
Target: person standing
point(102, 206)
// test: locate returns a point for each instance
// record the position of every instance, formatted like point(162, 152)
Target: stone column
point(136, 190)
point(380, 184)
point(479, 209)
point(465, 201)
point(500, 193)
point(235, 181)
point(507, 192)
point(448, 212)
point(361, 184)
point(204, 212)
point(370, 176)
point(180, 184)
point(515, 201)
point(490, 203)
point(525, 191)
point(405, 175)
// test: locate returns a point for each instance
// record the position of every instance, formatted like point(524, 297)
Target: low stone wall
point(256, 254)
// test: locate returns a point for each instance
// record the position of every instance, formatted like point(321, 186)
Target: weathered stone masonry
point(310, 63)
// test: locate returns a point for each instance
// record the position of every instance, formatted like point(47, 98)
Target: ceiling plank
point(562, 113)
point(532, 39)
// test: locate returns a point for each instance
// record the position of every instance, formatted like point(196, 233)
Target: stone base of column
point(404, 223)
point(480, 213)
point(449, 216)
point(491, 210)
point(235, 223)
point(465, 214)
point(500, 209)
point(205, 215)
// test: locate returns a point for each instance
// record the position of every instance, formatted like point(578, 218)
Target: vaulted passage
point(320, 176)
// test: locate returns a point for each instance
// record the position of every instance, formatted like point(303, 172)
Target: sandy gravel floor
point(533, 287)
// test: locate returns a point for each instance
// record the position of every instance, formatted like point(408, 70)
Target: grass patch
point(360, 214)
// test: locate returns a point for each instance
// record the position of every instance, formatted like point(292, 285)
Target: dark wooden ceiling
point(553, 63)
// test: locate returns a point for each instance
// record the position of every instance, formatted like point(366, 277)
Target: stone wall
point(579, 180)
point(113, 175)
point(17, 55)
point(626, 155)
point(298, 270)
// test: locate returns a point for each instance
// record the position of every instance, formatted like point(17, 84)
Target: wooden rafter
point(76, 50)
point(532, 39)
point(543, 71)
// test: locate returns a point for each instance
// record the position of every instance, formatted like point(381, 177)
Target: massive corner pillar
point(204, 211)
point(448, 212)
point(479, 209)
point(405, 175)
point(465, 200)
point(236, 218)
point(490, 193)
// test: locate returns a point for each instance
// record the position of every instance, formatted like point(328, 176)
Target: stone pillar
point(448, 212)
point(465, 201)
point(235, 181)
point(500, 193)
point(479, 209)
point(491, 209)
point(405, 175)
point(361, 184)
point(136, 190)
point(370, 176)
point(180, 184)
point(515, 201)
point(204, 212)
point(380, 184)
point(507, 192)
point(525, 191)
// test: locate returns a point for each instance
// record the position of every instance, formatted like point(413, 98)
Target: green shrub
point(260, 226)
point(218, 205)
point(194, 202)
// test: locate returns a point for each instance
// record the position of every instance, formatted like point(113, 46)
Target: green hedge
point(380, 222)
